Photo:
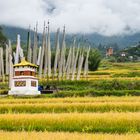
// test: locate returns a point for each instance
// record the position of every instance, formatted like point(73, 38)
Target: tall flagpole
point(68, 64)
point(49, 53)
point(29, 46)
point(10, 64)
point(42, 52)
point(39, 56)
point(10, 70)
point(17, 50)
point(57, 51)
point(62, 57)
point(7, 59)
point(2, 65)
point(73, 55)
point(80, 64)
point(86, 63)
point(75, 64)
point(35, 47)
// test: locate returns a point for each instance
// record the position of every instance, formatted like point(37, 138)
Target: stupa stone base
point(24, 92)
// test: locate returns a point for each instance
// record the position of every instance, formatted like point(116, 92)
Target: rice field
point(120, 71)
point(65, 136)
point(12, 100)
point(70, 118)
point(67, 107)
point(106, 107)
point(72, 122)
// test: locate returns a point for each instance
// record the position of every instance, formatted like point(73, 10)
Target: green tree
point(3, 38)
point(94, 59)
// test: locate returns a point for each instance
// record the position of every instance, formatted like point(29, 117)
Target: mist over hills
point(94, 39)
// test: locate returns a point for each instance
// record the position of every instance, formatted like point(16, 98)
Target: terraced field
point(104, 107)
point(108, 70)
point(70, 118)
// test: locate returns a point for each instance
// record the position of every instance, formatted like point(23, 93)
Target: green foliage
point(3, 88)
point(3, 38)
point(96, 88)
point(134, 51)
point(3, 92)
point(94, 59)
point(130, 74)
point(96, 93)
point(99, 73)
point(112, 59)
point(132, 54)
point(96, 85)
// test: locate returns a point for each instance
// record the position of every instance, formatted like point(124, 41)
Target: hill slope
point(122, 41)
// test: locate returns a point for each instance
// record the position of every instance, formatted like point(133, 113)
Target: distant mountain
point(96, 39)
point(11, 33)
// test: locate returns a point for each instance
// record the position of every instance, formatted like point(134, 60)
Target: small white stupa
point(24, 81)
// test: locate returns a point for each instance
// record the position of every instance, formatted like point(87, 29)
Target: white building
point(24, 81)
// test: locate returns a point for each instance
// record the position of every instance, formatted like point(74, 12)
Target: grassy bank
point(94, 88)
point(96, 85)
point(96, 93)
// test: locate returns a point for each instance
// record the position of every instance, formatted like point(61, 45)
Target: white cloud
point(107, 17)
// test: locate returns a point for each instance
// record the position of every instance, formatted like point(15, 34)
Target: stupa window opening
point(21, 72)
point(20, 83)
point(33, 83)
point(32, 73)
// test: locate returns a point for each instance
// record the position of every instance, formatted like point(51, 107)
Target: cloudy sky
point(106, 17)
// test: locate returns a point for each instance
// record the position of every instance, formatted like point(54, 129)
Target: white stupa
point(24, 81)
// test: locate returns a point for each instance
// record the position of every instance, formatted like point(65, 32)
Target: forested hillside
point(95, 39)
